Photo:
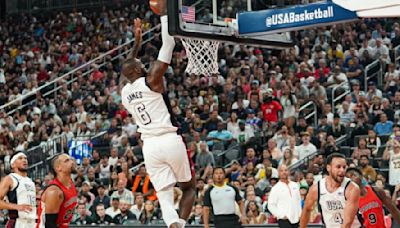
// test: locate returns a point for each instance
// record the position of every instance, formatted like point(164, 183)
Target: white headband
point(19, 154)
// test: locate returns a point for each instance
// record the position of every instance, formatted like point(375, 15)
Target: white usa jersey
point(394, 168)
point(331, 205)
point(150, 109)
point(23, 192)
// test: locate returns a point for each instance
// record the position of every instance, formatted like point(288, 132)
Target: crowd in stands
point(248, 118)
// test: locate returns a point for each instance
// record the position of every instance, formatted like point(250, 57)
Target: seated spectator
point(250, 157)
point(196, 217)
point(138, 207)
point(101, 217)
point(204, 158)
point(384, 127)
point(292, 146)
point(288, 158)
point(142, 184)
point(306, 148)
point(275, 152)
point(113, 210)
point(373, 142)
point(149, 214)
point(243, 134)
point(282, 137)
point(392, 154)
point(125, 216)
point(82, 218)
point(254, 214)
point(347, 116)
point(337, 129)
point(101, 198)
point(368, 171)
point(361, 149)
point(123, 194)
point(219, 135)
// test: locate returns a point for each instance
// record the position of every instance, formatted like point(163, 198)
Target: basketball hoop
point(202, 56)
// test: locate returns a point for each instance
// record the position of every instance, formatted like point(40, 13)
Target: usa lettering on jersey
point(334, 205)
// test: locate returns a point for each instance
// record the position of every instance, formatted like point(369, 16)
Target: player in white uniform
point(21, 193)
point(336, 195)
point(164, 151)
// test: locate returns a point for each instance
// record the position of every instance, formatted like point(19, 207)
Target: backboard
point(216, 20)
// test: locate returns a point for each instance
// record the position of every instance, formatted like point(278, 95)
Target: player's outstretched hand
point(138, 29)
point(24, 207)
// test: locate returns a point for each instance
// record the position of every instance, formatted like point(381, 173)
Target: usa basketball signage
point(293, 18)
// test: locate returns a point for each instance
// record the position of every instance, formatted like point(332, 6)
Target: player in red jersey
point(371, 201)
point(59, 199)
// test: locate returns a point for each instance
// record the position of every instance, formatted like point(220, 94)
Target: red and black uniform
point(67, 207)
point(371, 208)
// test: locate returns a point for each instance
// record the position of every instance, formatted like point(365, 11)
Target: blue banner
point(293, 18)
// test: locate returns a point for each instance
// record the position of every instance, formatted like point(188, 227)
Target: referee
point(221, 198)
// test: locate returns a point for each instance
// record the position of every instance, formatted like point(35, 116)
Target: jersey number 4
point(144, 116)
point(337, 217)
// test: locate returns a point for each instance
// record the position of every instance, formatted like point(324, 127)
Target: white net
point(202, 56)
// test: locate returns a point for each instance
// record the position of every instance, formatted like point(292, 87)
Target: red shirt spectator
point(97, 75)
point(42, 75)
point(270, 111)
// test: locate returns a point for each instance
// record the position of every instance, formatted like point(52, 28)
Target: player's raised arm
point(311, 198)
point(138, 39)
point(389, 204)
point(159, 67)
point(351, 208)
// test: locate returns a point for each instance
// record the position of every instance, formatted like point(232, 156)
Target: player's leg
point(162, 177)
point(188, 197)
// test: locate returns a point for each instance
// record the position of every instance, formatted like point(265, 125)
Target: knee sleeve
point(165, 53)
point(166, 199)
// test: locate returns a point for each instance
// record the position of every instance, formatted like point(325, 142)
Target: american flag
point(189, 13)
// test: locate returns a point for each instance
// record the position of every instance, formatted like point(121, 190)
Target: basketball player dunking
point(371, 200)
point(21, 194)
point(336, 195)
point(59, 199)
point(164, 151)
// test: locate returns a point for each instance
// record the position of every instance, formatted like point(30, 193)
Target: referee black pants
point(227, 221)
point(284, 223)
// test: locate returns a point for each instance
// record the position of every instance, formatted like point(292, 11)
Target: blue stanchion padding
point(292, 18)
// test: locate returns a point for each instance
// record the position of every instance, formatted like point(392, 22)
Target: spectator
point(337, 129)
point(250, 156)
point(286, 194)
point(142, 184)
point(149, 214)
point(392, 154)
point(113, 210)
point(138, 207)
point(220, 135)
point(384, 127)
point(123, 194)
point(125, 216)
point(243, 134)
point(254, 214)
point(368, 171)
point(196, 218)
point(204, 158)
point(288, 158)
point(83, 218)
point(102, 198)
point(101, 217)
point(306, 148)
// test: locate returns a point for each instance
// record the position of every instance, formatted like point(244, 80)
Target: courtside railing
point(87, 66)
point(313, 113)
point(339, 96)
point(373, 71)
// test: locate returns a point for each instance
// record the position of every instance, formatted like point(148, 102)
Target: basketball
point(155, 6)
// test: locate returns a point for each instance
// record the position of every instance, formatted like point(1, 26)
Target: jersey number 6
point(142, 114)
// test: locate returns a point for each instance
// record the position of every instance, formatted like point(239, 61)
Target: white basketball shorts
point(166, 160)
